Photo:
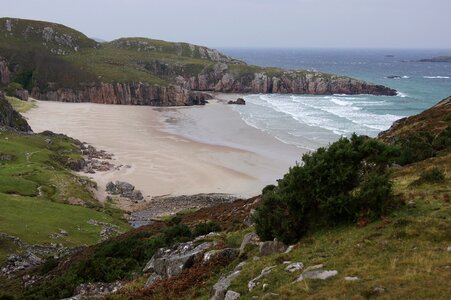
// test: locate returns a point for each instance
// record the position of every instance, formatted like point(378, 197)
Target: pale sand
point(164, 163)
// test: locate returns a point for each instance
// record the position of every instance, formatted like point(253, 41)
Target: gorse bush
point(421, 145)
point(435, 175)
point(336, 184)
point(206, 228)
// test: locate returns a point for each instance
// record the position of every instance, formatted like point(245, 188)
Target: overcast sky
point(253, 23)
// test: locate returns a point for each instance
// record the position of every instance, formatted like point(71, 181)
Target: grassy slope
point(19, 105)
point(35, 190)
point(406, 253)
point(122, 60)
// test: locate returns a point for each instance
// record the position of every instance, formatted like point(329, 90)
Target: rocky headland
point(54, 62)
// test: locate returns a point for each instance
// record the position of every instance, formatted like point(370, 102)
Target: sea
point(311, 121)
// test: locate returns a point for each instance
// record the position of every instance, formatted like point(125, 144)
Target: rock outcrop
point(11, 118)
point(5, 74)
point(226, 80)
point(125, 93)
point(167, 262)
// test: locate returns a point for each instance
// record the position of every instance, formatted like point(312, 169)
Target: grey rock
point(219, 289)
point(227, 254)
point(239, 101)
point(293, 267)
point(232, 295)
point(124, 187)
point(63, 232)
point(272, 247)
point(169, 262)
point(255, 282)
point(380, 289)
point(289, 249)
point(21, 94)
point(411, 204)
point(317, 274)
point(154, 277)
point(95, 290)
point(352, 278)
point(7, 157)
point(249, 239)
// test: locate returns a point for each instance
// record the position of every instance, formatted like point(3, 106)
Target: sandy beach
point(230, 157)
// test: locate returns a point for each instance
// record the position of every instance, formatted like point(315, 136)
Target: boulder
point(256, 281)
point(125, 190)
point(293, 267)
point(169, 262)
point(272, 247)
point(154, 277)
point(239, 101)
point(226, 254)
point(249, 239)
point(317, 274)
point(22, 94)
point(219, 289)
point(232, 295)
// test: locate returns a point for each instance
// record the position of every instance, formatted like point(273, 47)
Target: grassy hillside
point(48, 52)
point(37, 192)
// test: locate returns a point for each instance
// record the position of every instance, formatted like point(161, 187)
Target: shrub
point(206, 228)
point(12, 88)
point(333, 185)
point(111, 260)
point(435, 175)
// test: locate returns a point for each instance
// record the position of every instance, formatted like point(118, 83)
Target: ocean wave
point(400, 94)
point(436, 77)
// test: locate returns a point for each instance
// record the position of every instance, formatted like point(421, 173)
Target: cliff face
point(285, 82)
point(4, 72)
point(11, 118)
point(126, 93)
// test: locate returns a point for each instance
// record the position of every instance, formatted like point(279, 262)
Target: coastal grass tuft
point(20, 105)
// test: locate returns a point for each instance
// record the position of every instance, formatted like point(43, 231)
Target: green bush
point(116, 259)
point(206, 228)
point(421, 145)
point(336, 184)
point(435, 175)
point(12, 88)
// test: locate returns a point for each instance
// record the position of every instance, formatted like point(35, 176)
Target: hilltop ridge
point(54, 62)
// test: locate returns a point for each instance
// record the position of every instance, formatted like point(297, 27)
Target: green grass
point(405, 253)
point(34, 220)
point(21, 106)
point(36, 189)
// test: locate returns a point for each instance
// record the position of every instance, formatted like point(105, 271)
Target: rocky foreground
point(40, 56)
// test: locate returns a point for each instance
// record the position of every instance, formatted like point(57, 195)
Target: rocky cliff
point(11, 118)
point(57, 63)
point(125, 93)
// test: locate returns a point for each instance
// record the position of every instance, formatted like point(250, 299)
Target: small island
point(437, 59)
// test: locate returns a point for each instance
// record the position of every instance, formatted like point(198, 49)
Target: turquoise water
point(311, 121)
